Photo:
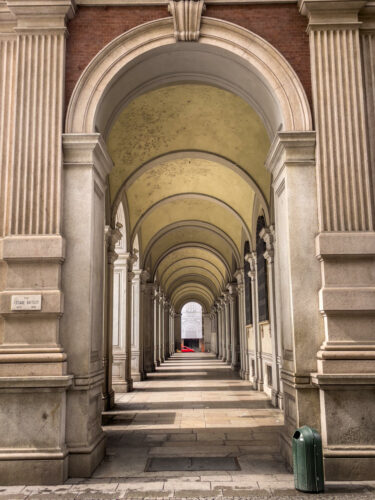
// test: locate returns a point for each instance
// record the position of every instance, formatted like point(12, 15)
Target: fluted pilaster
point(8, 52)
point(343, 168)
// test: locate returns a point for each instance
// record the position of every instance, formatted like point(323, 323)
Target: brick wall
point(281, 25)
point(94, 27)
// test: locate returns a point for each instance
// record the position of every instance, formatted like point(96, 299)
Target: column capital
point(251, 258)
point(232, 290)
point(41, 14)
point(268, 236)
point(239, 275)
point(331, 14)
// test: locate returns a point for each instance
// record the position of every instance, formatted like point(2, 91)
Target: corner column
point(177, 331)
point(33, 360)
point(258, 379)
point(147, 290)
point(137, 370)
point(345, 245)
point(156, 298)
point(267, 234)
point(235, 348)
point(112, 236)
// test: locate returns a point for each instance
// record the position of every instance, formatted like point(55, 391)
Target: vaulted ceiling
point(189, 166)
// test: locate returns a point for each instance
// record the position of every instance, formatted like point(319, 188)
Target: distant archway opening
point(192, 326)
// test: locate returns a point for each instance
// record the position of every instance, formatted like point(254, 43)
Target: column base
point(125, 386)
point(83, 461)
point(34, 468)
point(235, 368)
point(157, 362)
point(108, 400)
point(349, 468)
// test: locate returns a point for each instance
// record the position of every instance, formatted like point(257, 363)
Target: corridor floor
point(193, 413)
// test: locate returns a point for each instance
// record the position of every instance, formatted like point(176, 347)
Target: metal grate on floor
point(160, 464)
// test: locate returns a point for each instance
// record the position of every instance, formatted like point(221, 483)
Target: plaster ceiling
point(189, 161)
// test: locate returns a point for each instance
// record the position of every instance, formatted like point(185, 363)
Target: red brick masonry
point(94, 27)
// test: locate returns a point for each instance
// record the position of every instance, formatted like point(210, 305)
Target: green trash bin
point(308, 460)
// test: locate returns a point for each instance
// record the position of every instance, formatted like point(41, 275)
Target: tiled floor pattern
point(193, 406)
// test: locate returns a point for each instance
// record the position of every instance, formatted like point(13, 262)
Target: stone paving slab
point(178, 413)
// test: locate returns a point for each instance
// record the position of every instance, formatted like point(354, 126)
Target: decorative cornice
point(42, 14)
point(331, 14)
point(187, 15)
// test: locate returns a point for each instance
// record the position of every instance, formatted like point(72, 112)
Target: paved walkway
point(193, 413)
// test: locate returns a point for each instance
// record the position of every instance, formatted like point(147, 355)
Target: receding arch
point(194, 154)
point(192, 245)
point(192, 196)
point(193, 261)
point(192, 271)
point(192, 224)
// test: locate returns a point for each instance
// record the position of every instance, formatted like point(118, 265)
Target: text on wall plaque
point(26, 303)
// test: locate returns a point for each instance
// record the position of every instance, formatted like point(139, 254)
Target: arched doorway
point(192, 327)
point(185, 156)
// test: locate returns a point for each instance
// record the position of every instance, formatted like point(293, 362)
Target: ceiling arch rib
point(154, 120)
point(195, 156)
point(196, 289)
point(187, 178)
point(187, 235)
point(192, 298)
point(190, 269)
point(190, 279)
point(181, 210)
point(198, 250)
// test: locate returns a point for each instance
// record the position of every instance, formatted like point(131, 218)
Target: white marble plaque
point(26, 303)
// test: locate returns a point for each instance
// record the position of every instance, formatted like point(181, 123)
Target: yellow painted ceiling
point(188, 236)
point(191, 253)
point(182, 209)
point(188, 117)
point(203, 200)
point(190, 176)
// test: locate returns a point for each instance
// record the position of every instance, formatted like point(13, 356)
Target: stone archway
point(115, 78)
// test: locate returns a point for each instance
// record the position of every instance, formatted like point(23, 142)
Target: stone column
point(233, 309)
point(137, 370)
point(147, 290)
point(267, 234)
point(259, 378)
point(161, 328)
point(291, 162)
point(33, 360)
point(244, 356)
point(156, 298)
point(119, 321)
point(177, 330)
point(228, 330)
point(206, 320)
point(171, 331)
point(214, 331)
point(166, 307)
point(222, 329)
point(112, 236)
point(219, 329)
point(346, 360)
